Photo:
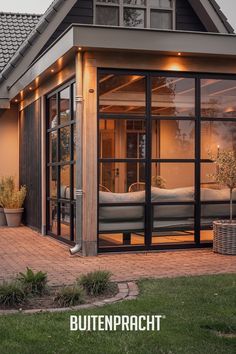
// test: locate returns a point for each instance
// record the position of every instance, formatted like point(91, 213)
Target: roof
point(222, 16)
point(14, 29)
point(48, 18)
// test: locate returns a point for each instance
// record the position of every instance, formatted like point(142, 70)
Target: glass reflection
point(176, 181)
point(173, 139)
point(173, 96)
point(134, 17)
point(53, 117)
point(217, 136)
point(53, 141)
point(65, 182)
point(65, 143)
point(122, 177)
point(122, 138)
point(65, 106)
point(122, 94)
point(218, 98)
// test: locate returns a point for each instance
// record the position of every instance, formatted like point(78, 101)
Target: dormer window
point(157, 14)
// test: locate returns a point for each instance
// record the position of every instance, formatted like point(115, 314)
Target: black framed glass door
point(61, 160)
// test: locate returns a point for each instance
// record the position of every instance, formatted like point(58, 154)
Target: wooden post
point(89, 134)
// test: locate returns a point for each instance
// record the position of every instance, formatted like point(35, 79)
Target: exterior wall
point(30, 162)
point(186, 18)
point(9, 146)
point(29, 101)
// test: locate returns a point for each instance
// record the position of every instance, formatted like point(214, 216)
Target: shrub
point(33, 282)
point(7, 185)
point(11, 294)
point(69, 296)
point(96, 283)
point(10, 197)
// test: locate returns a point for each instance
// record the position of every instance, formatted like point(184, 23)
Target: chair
point(103, 189)
point(137, 187)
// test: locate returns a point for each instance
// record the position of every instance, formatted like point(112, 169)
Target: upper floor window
point(135, 13)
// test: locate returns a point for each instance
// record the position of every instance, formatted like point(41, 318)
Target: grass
point(196, 310)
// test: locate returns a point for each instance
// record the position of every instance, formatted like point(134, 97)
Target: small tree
point(226, 173)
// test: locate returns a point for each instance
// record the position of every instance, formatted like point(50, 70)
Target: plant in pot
point(5, 184)
point(224, 239)
point(12, 201)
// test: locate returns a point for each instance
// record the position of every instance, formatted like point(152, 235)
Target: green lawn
point(196, 309)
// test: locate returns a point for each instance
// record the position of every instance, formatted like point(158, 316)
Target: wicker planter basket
point(224, 240)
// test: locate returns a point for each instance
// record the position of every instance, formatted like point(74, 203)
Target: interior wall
point(9, 143)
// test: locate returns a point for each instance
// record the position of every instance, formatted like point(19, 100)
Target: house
point(108, 113)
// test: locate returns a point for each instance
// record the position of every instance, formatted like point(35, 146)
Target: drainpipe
point(79, 155)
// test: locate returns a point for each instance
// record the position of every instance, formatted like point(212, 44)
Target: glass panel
point(161, 19)
point(109, 1)
point(218, 98)
point(173, 139)
point(217, 136)
point(160, 3)
point(107, 15)
point(211, 212)
point(135, 2)
point(119, 239)
point(172, 182)
point(173, 96)
point(207, 177)
point(134, 17)
point(206, 235)
point(65, 182)
point(65, 106)
point(122, 177)
point(53, 118)
point(65, 220)
point(53, 147)
point(210, 190)
point(53, 181)
point(122, 94)
point(65, 143)
point(122, 139)
point(168, 235)
point(74, 102)
point(53, 220)
point(74, 142)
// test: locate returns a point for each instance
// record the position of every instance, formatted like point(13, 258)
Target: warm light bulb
point(179, 54)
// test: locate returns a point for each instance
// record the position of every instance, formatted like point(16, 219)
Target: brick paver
point(23, 247)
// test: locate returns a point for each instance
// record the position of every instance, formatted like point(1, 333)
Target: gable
point(186, 17)
point(81, 12)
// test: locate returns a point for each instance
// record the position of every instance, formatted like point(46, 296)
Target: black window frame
point(67, 202)
point(197, 203)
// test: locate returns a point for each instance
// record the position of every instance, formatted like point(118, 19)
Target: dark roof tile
point(14, 29)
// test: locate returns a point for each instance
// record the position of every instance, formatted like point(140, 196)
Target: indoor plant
point(12, 200)
point(224, 240)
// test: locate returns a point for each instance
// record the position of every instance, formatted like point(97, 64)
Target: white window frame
point(148, 8)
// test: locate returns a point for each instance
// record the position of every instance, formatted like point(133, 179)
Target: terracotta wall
point(9, 143)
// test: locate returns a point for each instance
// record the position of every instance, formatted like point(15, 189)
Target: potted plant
point(5, 184)
point(12, 201)
point(224, 231)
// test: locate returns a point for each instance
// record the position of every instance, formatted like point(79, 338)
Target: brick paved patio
point(23, 247)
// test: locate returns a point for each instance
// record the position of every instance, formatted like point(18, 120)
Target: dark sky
point(39, 6)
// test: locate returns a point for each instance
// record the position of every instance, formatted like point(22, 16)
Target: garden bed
point(46, 301)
